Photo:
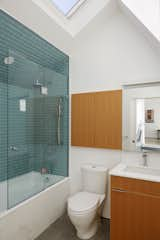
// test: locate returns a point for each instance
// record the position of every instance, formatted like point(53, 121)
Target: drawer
point(135, 185)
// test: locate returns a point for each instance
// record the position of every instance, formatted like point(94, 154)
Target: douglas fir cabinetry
point(135, 209)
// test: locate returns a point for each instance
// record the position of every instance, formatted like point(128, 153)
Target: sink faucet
point(145, 159)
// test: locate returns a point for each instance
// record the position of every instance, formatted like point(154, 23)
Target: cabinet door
point(108, 119)
point(97, 119)
point(83, 124)
point(134, 216)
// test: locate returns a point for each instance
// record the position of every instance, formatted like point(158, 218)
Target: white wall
point(109, 53)
point(105, 55)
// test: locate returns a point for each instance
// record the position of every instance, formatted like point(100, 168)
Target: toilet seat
point(83, 202)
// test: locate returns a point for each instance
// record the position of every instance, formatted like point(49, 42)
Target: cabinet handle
point(118, 190)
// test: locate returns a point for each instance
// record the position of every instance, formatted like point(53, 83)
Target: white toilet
point(85, 207)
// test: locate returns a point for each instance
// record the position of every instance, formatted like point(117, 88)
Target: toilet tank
point(94, 179)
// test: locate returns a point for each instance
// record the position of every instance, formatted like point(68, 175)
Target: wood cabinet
point(97, 119)
point(135, 209)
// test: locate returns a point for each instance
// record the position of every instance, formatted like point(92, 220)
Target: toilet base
point(89, 232)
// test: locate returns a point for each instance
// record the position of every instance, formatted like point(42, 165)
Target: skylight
point(67, 6)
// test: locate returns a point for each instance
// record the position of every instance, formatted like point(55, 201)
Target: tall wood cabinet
point(135, 209)
point(97, 119)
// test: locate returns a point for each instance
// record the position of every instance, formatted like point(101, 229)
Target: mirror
point(141, 118)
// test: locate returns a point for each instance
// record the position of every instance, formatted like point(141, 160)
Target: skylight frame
point(70, 13)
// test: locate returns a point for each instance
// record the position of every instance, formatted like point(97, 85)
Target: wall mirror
point(141, 118)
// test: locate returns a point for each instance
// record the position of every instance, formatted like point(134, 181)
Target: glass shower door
point(22, 75)
point(37, 121)
point(3, 132)
point(51, 140)
point(57, 124)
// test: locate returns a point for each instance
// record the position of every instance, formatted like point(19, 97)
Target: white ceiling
point(147, 12)
point(73, 25)
point(150, 18)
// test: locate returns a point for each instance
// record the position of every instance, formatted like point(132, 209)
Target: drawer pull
point(119, 190)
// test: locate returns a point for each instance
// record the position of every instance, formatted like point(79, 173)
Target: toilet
point(84, 208)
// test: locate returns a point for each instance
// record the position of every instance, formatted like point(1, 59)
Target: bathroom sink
point(142, 170)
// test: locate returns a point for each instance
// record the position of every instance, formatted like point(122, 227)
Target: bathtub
point(33, 214)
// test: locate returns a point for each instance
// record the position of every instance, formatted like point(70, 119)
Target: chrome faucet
point(145, 159)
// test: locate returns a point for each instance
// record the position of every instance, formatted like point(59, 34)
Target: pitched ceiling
point(146, 12)
point(77, 21)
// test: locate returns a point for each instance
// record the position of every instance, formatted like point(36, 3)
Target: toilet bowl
point(83, 211)
point(84, 207)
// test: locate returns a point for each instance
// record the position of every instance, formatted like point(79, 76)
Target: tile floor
point(62, 229)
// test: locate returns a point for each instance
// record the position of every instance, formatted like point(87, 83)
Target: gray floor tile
point(62, 229)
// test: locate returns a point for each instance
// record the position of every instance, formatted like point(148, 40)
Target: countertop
point(120, 170)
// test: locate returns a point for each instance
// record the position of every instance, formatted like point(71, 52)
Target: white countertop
point(120, 170)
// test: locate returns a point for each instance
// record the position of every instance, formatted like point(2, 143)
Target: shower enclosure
point(33, 115)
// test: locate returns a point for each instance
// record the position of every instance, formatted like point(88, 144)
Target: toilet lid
point(83, 201)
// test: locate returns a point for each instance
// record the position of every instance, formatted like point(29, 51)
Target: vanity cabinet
point(135, 209)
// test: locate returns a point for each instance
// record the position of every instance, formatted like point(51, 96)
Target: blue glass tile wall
point(33, 132)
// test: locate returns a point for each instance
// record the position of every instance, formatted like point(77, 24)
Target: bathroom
point(51, 62)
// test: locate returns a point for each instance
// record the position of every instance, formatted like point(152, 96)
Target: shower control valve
point(13, 148)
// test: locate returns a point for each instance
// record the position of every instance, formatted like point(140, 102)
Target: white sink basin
point(142, 170)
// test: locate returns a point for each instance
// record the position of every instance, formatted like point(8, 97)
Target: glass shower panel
point(58, 93)
point(22, 76)
point(57, 85)
point(3, 131)
point(33, 113)
point(37, 120)
point(51, 140)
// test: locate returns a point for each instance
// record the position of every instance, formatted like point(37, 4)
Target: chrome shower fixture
point(37, 83)
point(9, 60)
point(59, 114)
point(59, 106)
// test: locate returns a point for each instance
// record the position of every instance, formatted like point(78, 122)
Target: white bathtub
point(28, 219)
